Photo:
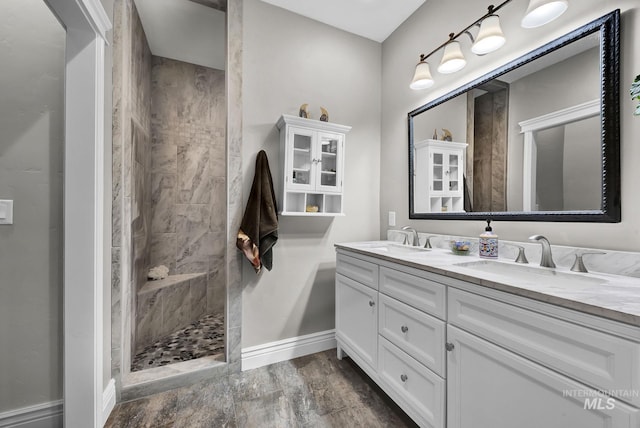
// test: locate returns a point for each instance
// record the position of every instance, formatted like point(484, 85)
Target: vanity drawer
point(418, 334)
point(359, 270)
point(416, 389)
point(421, 293)
point(601, 360)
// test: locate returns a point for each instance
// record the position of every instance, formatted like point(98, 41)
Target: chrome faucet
point(546, 260)
point(427, 243)
point(416, 239)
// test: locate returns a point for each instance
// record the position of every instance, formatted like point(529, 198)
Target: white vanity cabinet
point(388, 320)
point(483, 357)
point(488, 386)
point(312, 156)
point(439, 176)
point(357, 311)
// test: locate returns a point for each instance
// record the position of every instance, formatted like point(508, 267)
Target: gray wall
point(537, 94)
point(425, 30)
point(290, 60)
point(579, 187)
point(31, 172)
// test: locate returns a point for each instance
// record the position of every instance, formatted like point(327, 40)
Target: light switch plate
point(392, 218)
point(6, 211)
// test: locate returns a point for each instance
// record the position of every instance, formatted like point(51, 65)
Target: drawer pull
point(449, 346)
point(404, 328)
point(403, 377)
point(372, 303)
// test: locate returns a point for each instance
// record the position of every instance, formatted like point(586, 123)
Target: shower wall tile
point(176, 305)
point(140, 72)
point(163, 207)
point(217, 160)
point(193, 174)
point(116, 196)
point(218, 205)
point(149, 317)
point(116, 297)
point(163, 251)
point(164, 158)
point(198, 296)
point(234, 182)
point(190, 264)
point(216, 290)
point(188, 138)
point(235, 185)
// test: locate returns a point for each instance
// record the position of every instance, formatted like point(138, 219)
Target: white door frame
point(86, 24)
point(530, 126)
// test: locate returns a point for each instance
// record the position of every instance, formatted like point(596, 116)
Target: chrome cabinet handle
point(403, 377)
point(449, 346)
point(404, 328)
point(372, 303)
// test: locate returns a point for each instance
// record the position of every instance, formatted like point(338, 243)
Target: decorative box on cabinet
point(439, 174)
point(312, 155)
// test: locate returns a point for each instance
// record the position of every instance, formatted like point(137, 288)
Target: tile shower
point(170, 116)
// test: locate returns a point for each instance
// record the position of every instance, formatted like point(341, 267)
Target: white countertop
point(614, 297)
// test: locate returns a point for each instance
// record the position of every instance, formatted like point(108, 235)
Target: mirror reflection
point(528, 141)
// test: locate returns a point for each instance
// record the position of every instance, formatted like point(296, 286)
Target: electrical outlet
point(392, 218)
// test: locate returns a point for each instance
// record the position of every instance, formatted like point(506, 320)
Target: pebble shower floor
point(202, 338)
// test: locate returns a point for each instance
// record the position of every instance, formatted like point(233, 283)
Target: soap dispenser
point(488, 247)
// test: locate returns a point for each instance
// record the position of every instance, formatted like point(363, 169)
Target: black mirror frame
point(609, 27)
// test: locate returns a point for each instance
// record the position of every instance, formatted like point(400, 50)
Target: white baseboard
point(287, 349)
point(45, 415)
point(108, 400)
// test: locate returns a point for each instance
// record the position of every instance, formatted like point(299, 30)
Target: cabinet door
point(329, 162)
point(299, 173)
point(437, 172)
point(453, 171)
point(488, 386)
point(357, 320)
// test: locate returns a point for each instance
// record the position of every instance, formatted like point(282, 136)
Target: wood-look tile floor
point(313, 391)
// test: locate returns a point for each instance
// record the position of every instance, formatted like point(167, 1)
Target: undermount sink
point(546, 276)
point(396, 248)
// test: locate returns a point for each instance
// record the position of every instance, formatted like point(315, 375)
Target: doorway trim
point(86, 24)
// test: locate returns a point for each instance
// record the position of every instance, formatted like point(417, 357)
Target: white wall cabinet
point(439, 173)
point(509, 363)
point(312, 156)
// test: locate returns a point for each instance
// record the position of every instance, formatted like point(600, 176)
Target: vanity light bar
point(490, 38)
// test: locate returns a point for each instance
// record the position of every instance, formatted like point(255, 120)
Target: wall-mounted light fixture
point(489, 38)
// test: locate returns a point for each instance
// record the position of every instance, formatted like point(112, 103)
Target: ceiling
point(373, 19)
point(194, 31)
point(188, 31)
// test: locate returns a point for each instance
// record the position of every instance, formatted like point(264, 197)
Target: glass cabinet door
point(437, 171)
point(301, 159)
point(329, 162)
point(453, 172)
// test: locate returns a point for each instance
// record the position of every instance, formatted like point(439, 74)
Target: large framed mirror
point(537, 139)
